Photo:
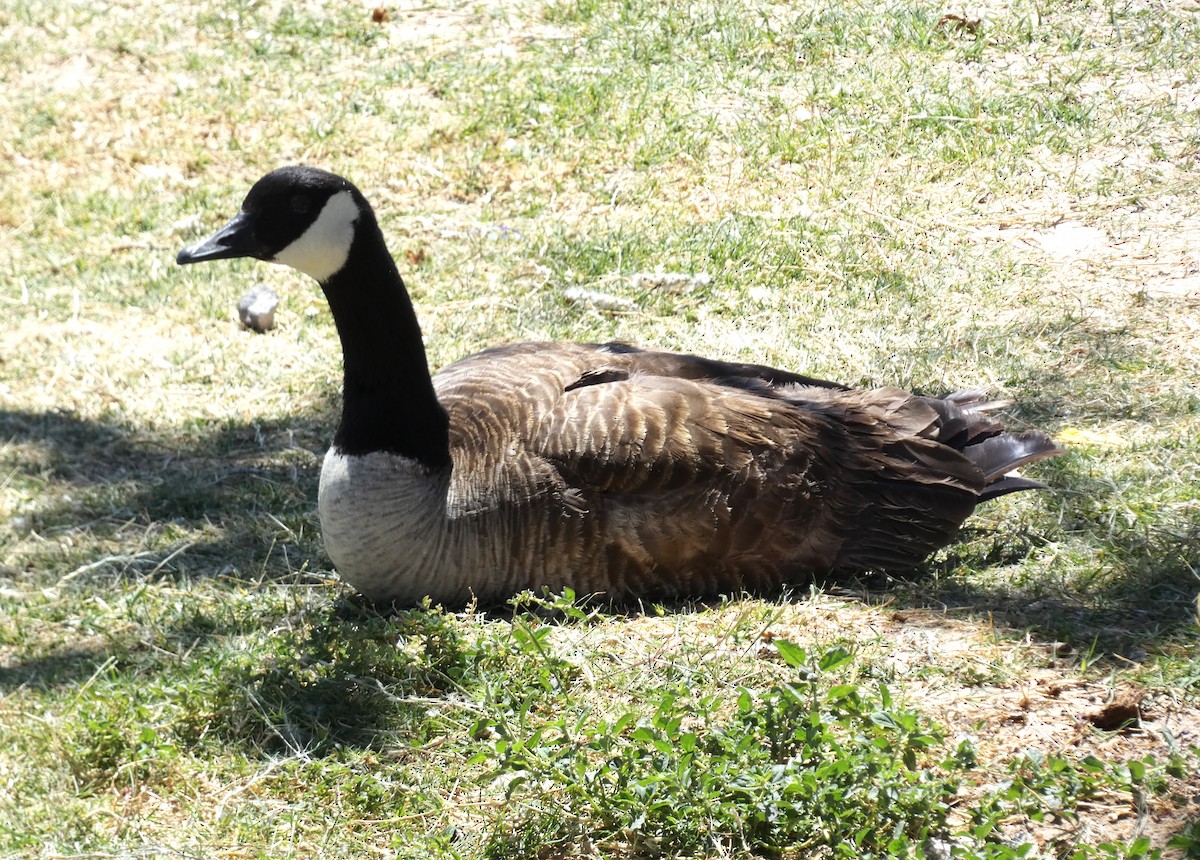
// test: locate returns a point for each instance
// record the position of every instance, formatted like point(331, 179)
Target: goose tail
point(997, 456)
point(964, 424)
point(943, 456)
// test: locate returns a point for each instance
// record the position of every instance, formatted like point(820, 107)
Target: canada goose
point(602, 467)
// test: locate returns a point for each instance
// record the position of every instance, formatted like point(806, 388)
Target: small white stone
point(256, 309)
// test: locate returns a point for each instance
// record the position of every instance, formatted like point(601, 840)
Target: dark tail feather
point(1004, 486)
point(996, 456)
point(964, 419)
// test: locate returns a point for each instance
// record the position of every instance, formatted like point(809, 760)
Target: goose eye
point(301, 204)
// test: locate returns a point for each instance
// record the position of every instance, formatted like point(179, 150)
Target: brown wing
point(680, 467)
point(663, 477)
point(696, 486)
point(809, 478)
point(642, 434)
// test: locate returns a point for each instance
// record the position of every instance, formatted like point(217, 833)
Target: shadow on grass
point(104, 506)
point(1121, 623)
point(229, 501)
point(342, 676)
point(1129, 585)
point(105, 500)
point(354, 678)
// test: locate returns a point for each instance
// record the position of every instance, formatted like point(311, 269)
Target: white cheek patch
point(322, 249)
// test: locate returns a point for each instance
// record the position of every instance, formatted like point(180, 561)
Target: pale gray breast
point(383, 519)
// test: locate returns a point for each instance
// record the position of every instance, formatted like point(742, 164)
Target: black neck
point(389, 402)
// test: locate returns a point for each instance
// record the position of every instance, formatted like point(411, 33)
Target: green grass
point(871, 193)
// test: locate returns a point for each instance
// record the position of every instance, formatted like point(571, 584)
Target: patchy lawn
point(1002, 196)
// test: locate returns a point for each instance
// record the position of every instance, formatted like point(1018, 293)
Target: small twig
point(463, 705)
point(126, 560)
point(100, 670)
point(182, 548)
point(135, 246)
point(253, 781)
point(108, 559)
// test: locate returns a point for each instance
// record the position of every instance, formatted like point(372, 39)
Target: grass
point(880, 194)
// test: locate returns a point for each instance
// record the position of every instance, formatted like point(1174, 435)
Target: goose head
point(300, 217)
point(318, 223)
